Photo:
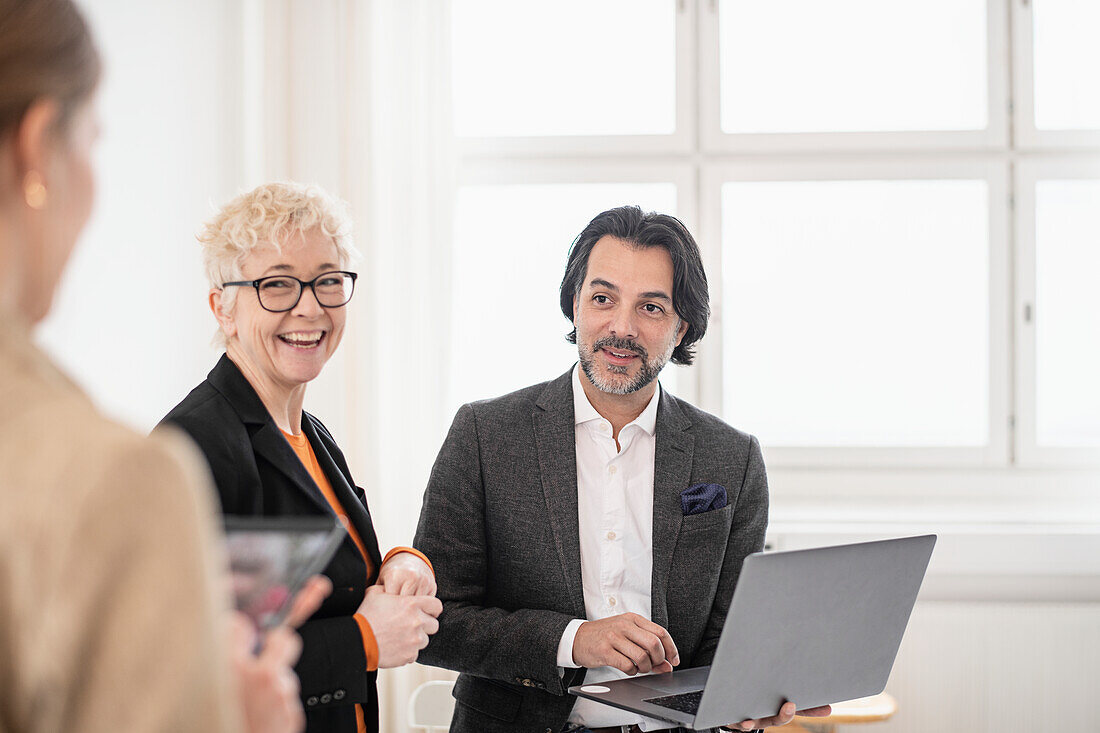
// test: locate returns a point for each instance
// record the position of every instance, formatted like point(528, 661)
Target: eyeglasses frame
point(302, 284)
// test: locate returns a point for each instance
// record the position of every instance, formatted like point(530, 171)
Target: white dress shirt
point(615, 514)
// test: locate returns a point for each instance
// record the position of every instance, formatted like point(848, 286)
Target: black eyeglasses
point(280, 293)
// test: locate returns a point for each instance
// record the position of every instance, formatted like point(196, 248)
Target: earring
point(34, 190)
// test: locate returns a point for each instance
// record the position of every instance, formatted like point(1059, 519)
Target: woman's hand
point(401, 624)
point(405, 574)
point(308, 600)
point(266, 684)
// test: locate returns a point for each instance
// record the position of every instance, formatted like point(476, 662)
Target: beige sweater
point(111, 611)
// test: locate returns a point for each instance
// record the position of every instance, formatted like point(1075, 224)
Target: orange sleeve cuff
point(412, 550)
point(370, 644)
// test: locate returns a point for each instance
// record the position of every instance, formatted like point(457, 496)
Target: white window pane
point(856, 312)
point(853, 65)
point(1066, 50)
point(570, 67)
point(1067, 313)
point(510, 248)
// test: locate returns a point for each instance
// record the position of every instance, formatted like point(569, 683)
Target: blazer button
point(311, 700)
point(338, 695)
point(326, 699)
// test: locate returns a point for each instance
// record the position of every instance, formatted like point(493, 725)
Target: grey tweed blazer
point(499, 522)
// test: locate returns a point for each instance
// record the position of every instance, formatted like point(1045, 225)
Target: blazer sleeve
point(516, 646)
point(750, 523)
point(333, 663)
point(223, 456)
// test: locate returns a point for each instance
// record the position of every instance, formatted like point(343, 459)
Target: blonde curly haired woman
point(278, 260)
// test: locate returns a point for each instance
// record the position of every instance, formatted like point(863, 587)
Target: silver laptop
point(812, 626)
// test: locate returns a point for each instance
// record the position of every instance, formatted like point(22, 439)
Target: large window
point(896, 200)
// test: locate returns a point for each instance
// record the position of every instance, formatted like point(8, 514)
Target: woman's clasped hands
point(402, 609)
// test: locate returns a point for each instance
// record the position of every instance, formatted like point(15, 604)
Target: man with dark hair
point(593, 527)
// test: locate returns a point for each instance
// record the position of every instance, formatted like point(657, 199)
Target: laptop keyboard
point(687, 702)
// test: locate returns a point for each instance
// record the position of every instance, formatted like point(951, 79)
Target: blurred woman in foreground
point(113, 615)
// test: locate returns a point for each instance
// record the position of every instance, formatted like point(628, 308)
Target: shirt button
point(610, 535)
point(611, 601)
point(612, 469)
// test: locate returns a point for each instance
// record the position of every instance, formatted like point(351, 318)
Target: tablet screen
point(271, 558)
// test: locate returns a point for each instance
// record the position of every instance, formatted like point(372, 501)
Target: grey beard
point(648, 372)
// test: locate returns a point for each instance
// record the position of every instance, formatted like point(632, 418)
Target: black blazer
point(257, 473)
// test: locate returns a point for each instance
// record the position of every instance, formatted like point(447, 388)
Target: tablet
point(271, 558)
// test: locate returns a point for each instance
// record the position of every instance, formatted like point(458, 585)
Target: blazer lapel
point(267, 440)
point(671, 475)
point(555, 436)
point(356, 510)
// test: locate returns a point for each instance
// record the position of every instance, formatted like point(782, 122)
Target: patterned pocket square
point(702, 498)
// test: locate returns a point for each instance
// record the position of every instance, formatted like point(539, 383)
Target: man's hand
point(627, 642)
point(401, 624)
point(266, 685)
point(786, 715)
point(405, 574)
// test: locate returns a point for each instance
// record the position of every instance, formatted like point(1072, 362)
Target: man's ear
point(574, 310)
point(225, 320)
point(681, 331)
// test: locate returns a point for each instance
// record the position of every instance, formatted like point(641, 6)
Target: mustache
point(618, 344)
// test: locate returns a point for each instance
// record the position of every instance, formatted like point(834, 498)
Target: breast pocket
point(715, 518)
point(703, 538)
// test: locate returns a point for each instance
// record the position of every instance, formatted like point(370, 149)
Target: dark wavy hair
point(690, 293)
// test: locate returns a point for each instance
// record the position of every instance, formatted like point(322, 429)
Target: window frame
point(700, 157)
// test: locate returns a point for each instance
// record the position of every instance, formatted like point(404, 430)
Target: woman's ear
point(33, 140)
point(225, 320)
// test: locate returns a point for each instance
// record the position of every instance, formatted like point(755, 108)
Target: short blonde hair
point(269, 214)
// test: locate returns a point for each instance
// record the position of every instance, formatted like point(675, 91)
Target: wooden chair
point(863, 710)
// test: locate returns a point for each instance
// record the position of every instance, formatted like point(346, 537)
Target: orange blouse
point(305, 454)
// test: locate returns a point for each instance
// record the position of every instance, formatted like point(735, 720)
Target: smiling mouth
point(619, 356)
point(303, 339)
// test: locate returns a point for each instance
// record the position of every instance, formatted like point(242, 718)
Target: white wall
point(131, 322)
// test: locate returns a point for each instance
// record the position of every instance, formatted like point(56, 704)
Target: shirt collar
point(583, 411)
